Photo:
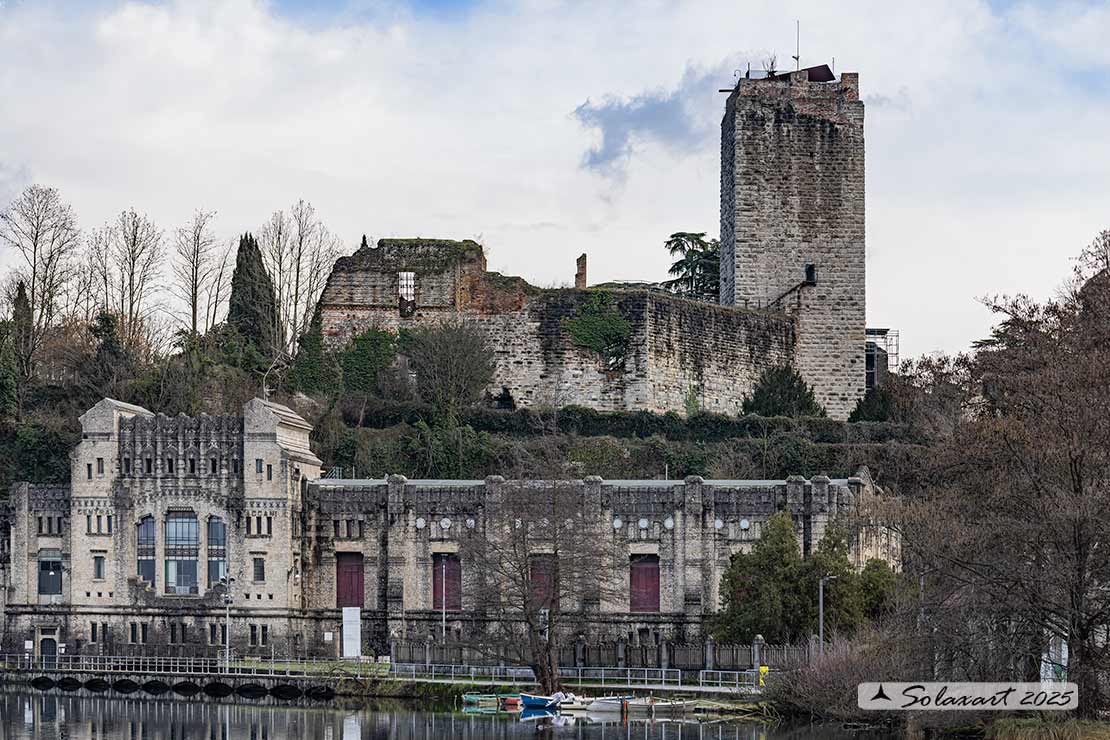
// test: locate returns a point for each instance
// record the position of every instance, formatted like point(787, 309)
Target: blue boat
point(534, 701)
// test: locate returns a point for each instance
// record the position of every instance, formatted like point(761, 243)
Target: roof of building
point(286, 415)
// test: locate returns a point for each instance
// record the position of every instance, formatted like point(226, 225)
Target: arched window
point(217, 550)
point(145, 548)
point(182, 549)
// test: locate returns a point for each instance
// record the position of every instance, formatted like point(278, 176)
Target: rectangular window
point(173, 632)
point(145, 548)
point(265, 634)
point(192, 466)
point(223, 634)
point(269, 526)
point(61, 524)
point(92, 632)
point(98, 567)
point(212, 466)
point(127, 466)
point(144, 630)
point(259, 570)
point(134, 632)
point(217, 550)
point(40, 525)
point(258, 465)
point(446, 581)
point(100, 466)
point(88, 469)
point(109, 524)
point(235, 466)
point(105, 635)
point(169, 465)
point(99, 523)
point(50, 574)
point(335, 527)
point(249, 520)
point(254, 635)
point(269, 472)
point(182, 552)
point(361, 530)
point(184, 633)
point(212, 636)
point(643, 583)
point(148, 465)
point(88, 523)
point(542, 576)
point(406, 285)
point(258, 524)
point(349, 579)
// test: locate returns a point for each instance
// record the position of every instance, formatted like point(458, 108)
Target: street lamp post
point(443, 596)
point(821, 613)
point(227, 581)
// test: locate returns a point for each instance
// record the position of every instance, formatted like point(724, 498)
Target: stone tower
point(792, 219)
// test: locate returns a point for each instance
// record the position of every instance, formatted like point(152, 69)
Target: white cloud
point(982, 175)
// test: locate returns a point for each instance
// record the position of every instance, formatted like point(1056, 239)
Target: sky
point(548, 128)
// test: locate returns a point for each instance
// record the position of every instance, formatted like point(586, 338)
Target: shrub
point(781, 391)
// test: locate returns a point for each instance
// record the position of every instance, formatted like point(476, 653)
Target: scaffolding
point(882, 355)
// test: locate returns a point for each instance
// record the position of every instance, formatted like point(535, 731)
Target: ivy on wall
point(599, 326)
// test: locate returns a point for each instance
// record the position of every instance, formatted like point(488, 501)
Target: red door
point(446, 581)
point(542, 575)
point(348, 579)
point(643, 582)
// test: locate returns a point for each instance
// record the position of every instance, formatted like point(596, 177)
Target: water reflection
point(30, 714)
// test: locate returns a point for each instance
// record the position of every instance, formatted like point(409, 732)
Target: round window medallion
point(718, 524)
point(668, 523)
point(745, 524)
point(420, 523)
point(643, 523)
point(470, 524)
point(444, 523)
point(617, 523)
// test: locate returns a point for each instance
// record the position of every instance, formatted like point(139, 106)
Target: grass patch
point(1043, 729)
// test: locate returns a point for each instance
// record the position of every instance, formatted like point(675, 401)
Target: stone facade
point(792, 196)
point(264, 486)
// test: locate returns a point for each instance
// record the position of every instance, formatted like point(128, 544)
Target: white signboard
point(352, 632)
point(327, 637)
point(28, 644)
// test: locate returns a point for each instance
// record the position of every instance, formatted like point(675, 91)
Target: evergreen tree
point(252, 307)
point(763, 591)
point(876, 405)
point(22, 331)
point(781, 391)
point(314, 371)
point(9, 375)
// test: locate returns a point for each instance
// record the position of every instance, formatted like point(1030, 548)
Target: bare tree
point(1015, 518)
point(43, 229)
point(453, 366)
point(136, 253)
point(541, 561)
point(216, 292)
point(194, 265)
point(299, 252)
point(275, 242)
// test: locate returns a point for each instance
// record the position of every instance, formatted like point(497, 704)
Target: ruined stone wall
point(676, 346)
point(792, 193)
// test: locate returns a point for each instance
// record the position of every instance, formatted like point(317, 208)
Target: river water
point(27, 714)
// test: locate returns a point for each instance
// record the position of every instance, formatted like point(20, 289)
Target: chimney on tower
point(580, 275)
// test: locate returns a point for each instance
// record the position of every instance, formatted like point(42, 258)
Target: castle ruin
point(791, 290)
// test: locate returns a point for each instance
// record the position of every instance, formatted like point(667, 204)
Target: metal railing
point(739, 680)
point(189, 666)
point(515, 674)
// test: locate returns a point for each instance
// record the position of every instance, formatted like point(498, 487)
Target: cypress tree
point(9, 376)
point(364, 244)
point(781, 391)
point(252, 307)
point(23, 330)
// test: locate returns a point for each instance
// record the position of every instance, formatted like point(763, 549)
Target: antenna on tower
point(798, 44)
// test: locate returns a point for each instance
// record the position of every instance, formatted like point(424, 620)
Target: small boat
point(511, 701)
point(480, 699)
point(606, 704)
point(536, 701)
